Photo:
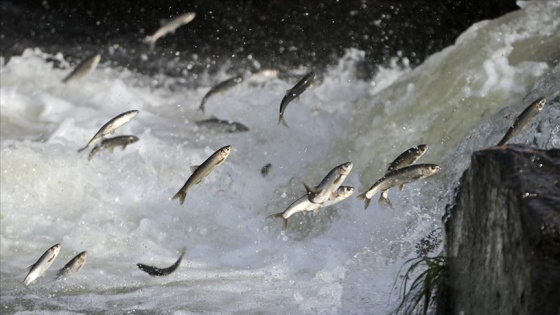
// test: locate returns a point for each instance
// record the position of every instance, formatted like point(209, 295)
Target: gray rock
point(503, 236)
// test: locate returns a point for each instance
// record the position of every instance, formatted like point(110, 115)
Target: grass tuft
point(427, 288)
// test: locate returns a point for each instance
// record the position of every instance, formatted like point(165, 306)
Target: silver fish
point(329, 184)
point(221, 125)
point(110, 127)
point(303, 204)
point(83, 68)
point(200, 172)
point(294, 92)
point(111, 143)
point(39, 268)
point(399, 177)
point(170, 27)
point(220, 88)
point(73, 265)
point(406, 158)
point(154, 271)
point(523, 119)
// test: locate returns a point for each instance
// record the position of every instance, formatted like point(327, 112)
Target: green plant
point(428, 287)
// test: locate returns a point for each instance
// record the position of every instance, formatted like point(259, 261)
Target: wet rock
point(503, 237)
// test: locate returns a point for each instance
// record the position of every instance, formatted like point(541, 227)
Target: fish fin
point(316, 211)
point(181, 195)
point(30, 267)
point(124, 147)
point(383, 200)
point(82, 149)
point(111, 149)
point(279, 215)
point(194, 167)
point(201, 108)
point(401, 186)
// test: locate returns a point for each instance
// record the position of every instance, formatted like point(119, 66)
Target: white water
point(344, 260)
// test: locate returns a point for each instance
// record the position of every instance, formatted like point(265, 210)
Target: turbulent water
point(344, 260)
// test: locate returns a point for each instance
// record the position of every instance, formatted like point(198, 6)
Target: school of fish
point(328, 192)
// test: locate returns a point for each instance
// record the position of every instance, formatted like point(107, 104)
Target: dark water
point(276, 33)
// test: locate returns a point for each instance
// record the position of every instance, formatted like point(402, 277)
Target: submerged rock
point(503, 237)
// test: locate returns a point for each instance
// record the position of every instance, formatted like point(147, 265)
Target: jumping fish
point(303, 204)
point(398, 177)
point(406, 158)
point(523, 119)
point(220, 88)
point(154, 271)
point(73, 265)
point(329, 184)
point(111, 143)
point(200, 172)
point(110, 127)
point(170, 27)
point(39, 268)
point(294, 92)
point(83, 68)
point(222, 125)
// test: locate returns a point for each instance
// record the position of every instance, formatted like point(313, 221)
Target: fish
point(303, 204)
point(294, 92)
point(329, 184)
point(39, 268)
point(110, 127)
point(398, 177)
point(83, 68)
point(221, 125)
point(73, 265)
point(265, 170)
point(523, 119)
point(262, 77)
point(154, 271)
point(170, 27)
point(220, 88)
point(200, 172)
point(111, 143)
point(406, 158)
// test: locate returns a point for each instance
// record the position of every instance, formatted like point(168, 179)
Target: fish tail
point(311, 192)
point(279, 215)
point(181, 195)
point(150, 40)
point(365, 199)
point(282, 121)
